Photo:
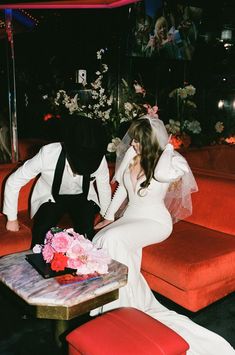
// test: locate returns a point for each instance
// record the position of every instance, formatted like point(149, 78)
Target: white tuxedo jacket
point(44, 163)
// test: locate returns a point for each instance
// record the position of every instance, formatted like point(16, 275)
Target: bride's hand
point(102, 224)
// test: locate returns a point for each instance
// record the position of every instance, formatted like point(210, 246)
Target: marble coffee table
point(45, 298)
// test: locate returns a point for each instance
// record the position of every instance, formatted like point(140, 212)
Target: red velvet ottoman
point(125, 331)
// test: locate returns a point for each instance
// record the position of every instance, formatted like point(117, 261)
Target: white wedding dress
point(146, 221)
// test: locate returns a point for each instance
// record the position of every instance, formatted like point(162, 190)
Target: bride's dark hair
point(142, 132)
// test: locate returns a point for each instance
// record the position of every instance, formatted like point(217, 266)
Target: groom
point(67, 172)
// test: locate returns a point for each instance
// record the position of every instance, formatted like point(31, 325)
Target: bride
point(157, 182)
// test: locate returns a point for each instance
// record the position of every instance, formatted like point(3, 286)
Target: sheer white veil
point(159, 130)
point(178, 197)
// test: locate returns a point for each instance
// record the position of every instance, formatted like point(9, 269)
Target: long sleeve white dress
point(145, 221)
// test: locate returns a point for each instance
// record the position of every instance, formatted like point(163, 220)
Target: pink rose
point(76, 249)
point(48, 237)
point(99, 260)
point(85, 269)
point(61, 242)
point(48, 253)
point(74, 234)
point(74, 263)
point(152, 111)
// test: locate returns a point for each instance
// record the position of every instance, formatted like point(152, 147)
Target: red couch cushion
point(24, 195)
point(196, 257)
point(11, 242)
point(125, 331)
point(218, 158)
point(214, 204)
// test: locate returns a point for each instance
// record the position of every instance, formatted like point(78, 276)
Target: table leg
point(60, 328)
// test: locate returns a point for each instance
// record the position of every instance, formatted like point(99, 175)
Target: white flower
point(110, 100)
point(37, 248)
point(193, 126)
point(99, 53)
point(190, 89)
point(128, 106)
point(105, 68)
point(107, 114)
point(135, 113)
point(191, 104)
point(96, 85)
point(182, 93)
point(173, 127)
point(219, 127)
point(139, 89)
point(94, 94)
point(112, 147)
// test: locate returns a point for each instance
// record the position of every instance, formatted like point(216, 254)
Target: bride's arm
point(118, 198)
point(171, 166)
point(120, 194)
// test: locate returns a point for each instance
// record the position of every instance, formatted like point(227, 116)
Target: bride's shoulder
point(128, 157)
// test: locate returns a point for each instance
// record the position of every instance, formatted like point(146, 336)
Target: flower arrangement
point(185, 126)
point(117, 105)
point(100, 103)
point(224, 133)
point(132, 102)
point(67, 249)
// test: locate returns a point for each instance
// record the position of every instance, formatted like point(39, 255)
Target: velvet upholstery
point(213, 204)
point(125, 331)
point(219, 158)
point(11, 242)
point(195, 266)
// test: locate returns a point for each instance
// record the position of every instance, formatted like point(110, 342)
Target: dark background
point(58, 42)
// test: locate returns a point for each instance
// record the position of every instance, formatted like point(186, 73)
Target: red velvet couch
point(195, 266)
point(218, 158)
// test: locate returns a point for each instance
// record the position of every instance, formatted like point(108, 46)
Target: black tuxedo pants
point(81, 212)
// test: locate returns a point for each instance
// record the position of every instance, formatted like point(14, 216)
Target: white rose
point(219, 127)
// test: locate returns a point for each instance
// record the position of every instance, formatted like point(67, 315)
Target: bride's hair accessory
point(178, 197)
point(158, 129)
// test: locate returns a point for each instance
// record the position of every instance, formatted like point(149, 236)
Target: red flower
point(47, 117)
point(180, 140)
point(59, 262)
point(176, 141)
point(230, 140)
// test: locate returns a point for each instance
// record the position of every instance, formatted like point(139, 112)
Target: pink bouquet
point(68, 249)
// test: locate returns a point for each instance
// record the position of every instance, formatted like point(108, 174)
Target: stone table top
point(19, 276)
